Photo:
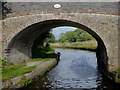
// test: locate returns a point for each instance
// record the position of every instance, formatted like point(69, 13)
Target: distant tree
point(62, 38)
point(75, 36)
point(70, 36)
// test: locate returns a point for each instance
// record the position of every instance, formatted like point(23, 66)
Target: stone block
point(16, 80)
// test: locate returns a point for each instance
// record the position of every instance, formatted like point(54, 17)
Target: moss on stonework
point(45, 70)
point(25, 82)
point(118, 71)
point(117, 79)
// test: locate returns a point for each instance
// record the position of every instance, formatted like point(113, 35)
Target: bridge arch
point(21, 44)
point(104, 25)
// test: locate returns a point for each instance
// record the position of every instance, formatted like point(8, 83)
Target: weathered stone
point(28, 75)
point(16, 80)
point(20, 30)
point(16, 31)
point(0, 39)
point(41, 68)
point(6, 84)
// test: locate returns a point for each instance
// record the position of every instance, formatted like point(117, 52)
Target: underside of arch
point(20, 46)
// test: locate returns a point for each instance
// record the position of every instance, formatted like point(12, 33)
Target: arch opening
point(21, 45)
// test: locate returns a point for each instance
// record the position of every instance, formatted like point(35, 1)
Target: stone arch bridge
point(20, 30)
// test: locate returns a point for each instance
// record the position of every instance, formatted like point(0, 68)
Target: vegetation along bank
point(78, 39)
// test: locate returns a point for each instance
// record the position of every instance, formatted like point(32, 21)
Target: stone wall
point(41, 68)
point(105, 26)
point(26, 6)
point(28, 21)
point(0, 39)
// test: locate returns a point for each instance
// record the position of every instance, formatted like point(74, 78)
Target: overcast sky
point(57, 31)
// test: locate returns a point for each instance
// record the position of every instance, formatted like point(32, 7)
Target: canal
point(76, 69)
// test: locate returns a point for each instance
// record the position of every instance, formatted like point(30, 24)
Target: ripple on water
point(76, 69)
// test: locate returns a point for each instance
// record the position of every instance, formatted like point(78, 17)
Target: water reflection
point(76, 69)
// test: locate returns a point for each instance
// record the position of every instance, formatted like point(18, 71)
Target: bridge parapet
point(107, 12)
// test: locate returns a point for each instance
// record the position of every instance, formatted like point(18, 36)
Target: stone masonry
point(21, 29)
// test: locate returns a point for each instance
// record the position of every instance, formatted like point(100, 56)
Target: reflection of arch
point(20, 45)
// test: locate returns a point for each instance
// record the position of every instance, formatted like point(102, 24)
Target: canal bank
point(93, 50)
point(25, 79)
point(76, 69)
point(90, 45)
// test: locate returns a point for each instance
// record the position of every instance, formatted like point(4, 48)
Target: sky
point(58, 30)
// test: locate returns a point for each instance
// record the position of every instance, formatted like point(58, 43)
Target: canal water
point(76, 69)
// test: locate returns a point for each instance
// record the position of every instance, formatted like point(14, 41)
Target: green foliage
point(70, 36)
point(43, 72)
point(88, 45)
point(47, 59)
point(36, 59)
point(9, 69)
point(117, 77)
point(3, 62)
point(62, 38)
point(75, 36)
point(44, 51)
point(16, 71)
point(25, 82)
point(118, 71)
point(50, 39)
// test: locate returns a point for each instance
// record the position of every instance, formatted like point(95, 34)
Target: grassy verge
point(15, 70)
point(47, 59)
point(39, 59)
point(10, 70)
point(36, 59)
point(25, 82)
point(86, 45)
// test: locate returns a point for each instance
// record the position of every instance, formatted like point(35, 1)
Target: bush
point(44, 51)
point(3, 62)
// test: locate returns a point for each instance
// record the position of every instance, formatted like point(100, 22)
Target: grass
point(25, 82)
point(117, 77)
point(9, 69)
point(2, 63)
point(39, 59)
point(15, 71)
point(47, 59)
point(91, 44)
point(36, 59)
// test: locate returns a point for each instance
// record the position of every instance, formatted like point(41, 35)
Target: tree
point(70, 36)
point(62, 38)
point(50, 39)
point(75, 36)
